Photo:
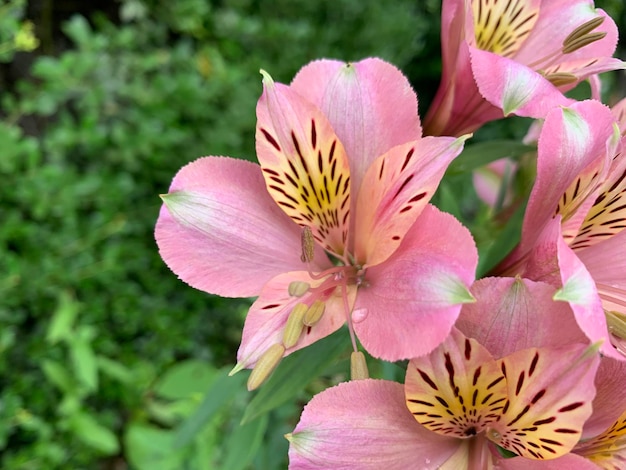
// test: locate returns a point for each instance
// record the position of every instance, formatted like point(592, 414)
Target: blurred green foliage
point(106, 357)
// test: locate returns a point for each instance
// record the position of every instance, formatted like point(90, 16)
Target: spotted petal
point(304, 164)
point(607, 450)
point(395, 190)
point(457, 390)
point(550, 393)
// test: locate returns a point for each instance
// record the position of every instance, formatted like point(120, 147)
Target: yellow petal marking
point(502, 26)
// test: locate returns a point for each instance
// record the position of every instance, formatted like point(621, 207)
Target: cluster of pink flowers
point(523, 369)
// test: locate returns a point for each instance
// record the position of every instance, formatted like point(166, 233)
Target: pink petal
point(511, 314)
point(370, 105)
point(610, 400)
point(513, 87)
point(223, 233)
point(364, 425)
point(458, 107)
point(579, 289)
point(265, 322)
point(571, 139)
point(396, 188)
point(408, 304)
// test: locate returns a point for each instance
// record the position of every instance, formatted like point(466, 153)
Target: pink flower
point(334, 225)
point(572, 235)
point(457, 405)
point(515, 57)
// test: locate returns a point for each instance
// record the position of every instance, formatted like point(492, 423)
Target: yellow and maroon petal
point(304, 164)
point(550, 393)
point(607, 450)
point(395, 190)
point(502, 26)
point(607, 216)
point(457, 390)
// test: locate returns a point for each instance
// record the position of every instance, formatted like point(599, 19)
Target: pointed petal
point(610, 400)
point(608, 450)
point(396, 188)
point(550, 394)
point(571, 140)
point(457, 390)
point(458, 107)
point(580, 291)
point(220, 232)
point(304, 164)
point(513, 87)
point(266, 320)
point(408, 304)
point(513, 314)
point(370, 105)
point(364, 424)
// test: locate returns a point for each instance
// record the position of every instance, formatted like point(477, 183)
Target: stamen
point(314, 313)
point(358, 366)
point(298, 288)
point(308, 245)
point(294, 325)
point(561, 78)
point(617, 324)
point(265, 366)
point(583, 30)
point(582, 42)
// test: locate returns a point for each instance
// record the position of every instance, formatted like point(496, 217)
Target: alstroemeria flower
point(333, 226)
point(572, 235)
point(459, 402)
point(502, 57)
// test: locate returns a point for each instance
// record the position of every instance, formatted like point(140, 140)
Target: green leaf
point(84, 359)
point(242, 445)
point(503, 244)
point(185, 379)
point(115, 370)
point(94, 434)
point(58, 375)
point(223, 389)
point(150, 448)
point(295, 372)
point(63, 318)
point(480, 154)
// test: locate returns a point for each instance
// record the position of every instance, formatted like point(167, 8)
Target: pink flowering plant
point(501, 345)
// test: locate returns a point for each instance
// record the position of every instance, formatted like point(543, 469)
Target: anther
point(293, 328)
point(298, 288)
point(561, 78)
point(265, 366)
point(358, 366)
point(308, 245)
point(314, 313)
point(583, 29)
point(617, 323)
point(582, 42)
